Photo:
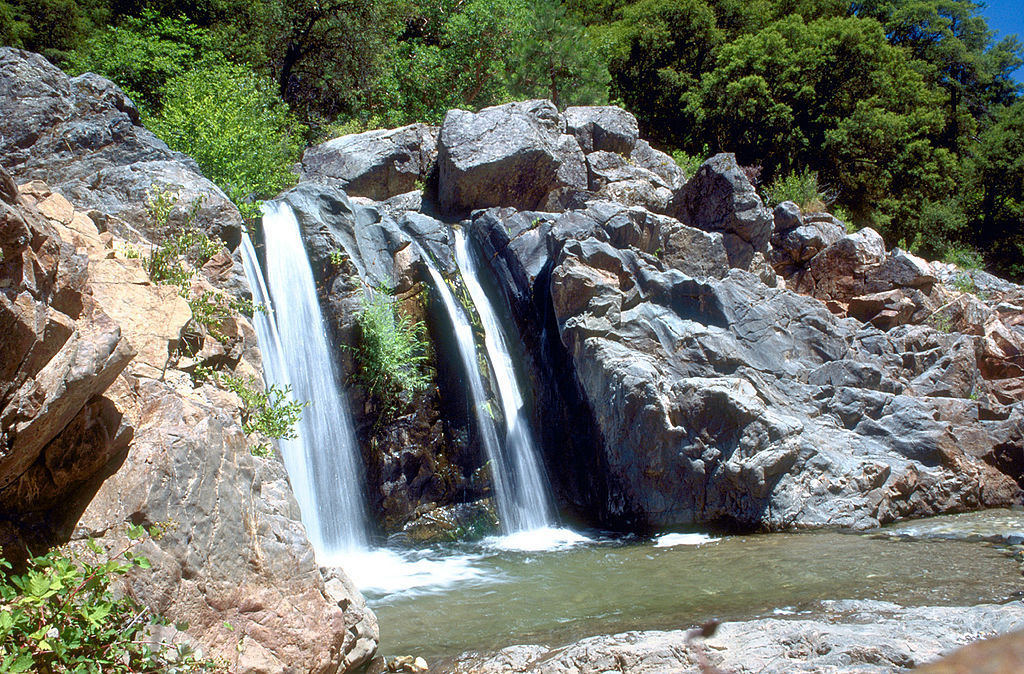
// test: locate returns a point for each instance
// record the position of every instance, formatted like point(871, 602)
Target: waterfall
point(529, 487)
point(323, 461)
point(518, 483)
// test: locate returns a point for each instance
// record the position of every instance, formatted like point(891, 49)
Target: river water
point(505, 597)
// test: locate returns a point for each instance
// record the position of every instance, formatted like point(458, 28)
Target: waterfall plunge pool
point(484, 597)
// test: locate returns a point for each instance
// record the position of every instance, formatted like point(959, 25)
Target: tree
point(231, 122)
point(555, 59)
point(143, 53)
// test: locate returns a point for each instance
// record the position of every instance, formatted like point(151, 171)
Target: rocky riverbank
point(840, 636)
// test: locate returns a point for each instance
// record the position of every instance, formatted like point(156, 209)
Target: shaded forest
point(895, 114)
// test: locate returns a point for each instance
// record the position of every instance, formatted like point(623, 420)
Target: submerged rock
point(862, 636)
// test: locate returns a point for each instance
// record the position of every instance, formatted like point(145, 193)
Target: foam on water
point(382, 572)
point(672, 540)
point(545, 539)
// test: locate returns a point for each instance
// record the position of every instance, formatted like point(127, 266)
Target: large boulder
point(725, 400)
point(602, 128)
point(509, 155)
point(374, 164)
point(83, 137)
point(720, 198)
point(59, 352)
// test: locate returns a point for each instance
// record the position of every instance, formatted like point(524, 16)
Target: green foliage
point(50, 27)
point(210, 308)
point(391, 354)
point(269, 412)
point(802, 188)
point(964, 257)
point(690, 162)
point(555, 59)
point(460, 56)
point(143, 53)
point(964, 283)
point(176, 259)
point(61, 615)
point(231, 122)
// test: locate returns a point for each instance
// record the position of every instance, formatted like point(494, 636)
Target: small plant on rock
point(803, 189)
point(391, 354)
point(60, 615)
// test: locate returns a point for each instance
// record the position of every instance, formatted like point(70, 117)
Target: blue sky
point(1006, 17)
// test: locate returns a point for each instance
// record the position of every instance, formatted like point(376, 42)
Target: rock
point(606, 128)
point(711, 404)
point(888, 309)
point(462, 521)
point(96, 442)
point(510, 155)
point(60, 352)
point(999, 655)
point(862, 636)
point(375, 164)
point(842, 270)
point(658, 163)
point(720, 198)
point(787, 216)
point(83, 137)
point(613, 178)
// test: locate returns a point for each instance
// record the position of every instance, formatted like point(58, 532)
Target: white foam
point(545, 539)
point(672, 540)
point(383, 572)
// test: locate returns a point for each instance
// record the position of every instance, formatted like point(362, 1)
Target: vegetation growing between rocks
point(60, 614)
point(391, 354)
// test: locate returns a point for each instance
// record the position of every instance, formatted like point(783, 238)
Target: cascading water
point(322, 461)
point(531, 504)
point(508, 510)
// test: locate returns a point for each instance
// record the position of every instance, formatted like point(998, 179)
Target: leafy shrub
point(232, 123)
point(60, 615)
point(269, 412)
point(964, 257)
point(142, 53)
point(392, 352)
point(690, 162)
point(176, 259)
point(802, 188)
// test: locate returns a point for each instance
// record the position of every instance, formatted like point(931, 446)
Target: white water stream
point(323, 460)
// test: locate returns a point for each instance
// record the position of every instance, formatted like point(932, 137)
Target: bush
point(802, 188)
point(690, 162)
point(392, 352)
point(236, 128)
point(143, 53)
point(60, 615)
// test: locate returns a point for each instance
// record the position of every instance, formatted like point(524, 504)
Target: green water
point(558, 597)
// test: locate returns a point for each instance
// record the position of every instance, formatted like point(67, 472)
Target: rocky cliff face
point(676, 378)
point(102, 422)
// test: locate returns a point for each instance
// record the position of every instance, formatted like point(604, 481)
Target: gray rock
point(724, 400)
point(787, 216)
point(840, 636)
point(509, 155)
point(82, 136)
point(659, 163)
point(375, 164)
point(613, 178)
point(719, 198)
point(607, 128)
